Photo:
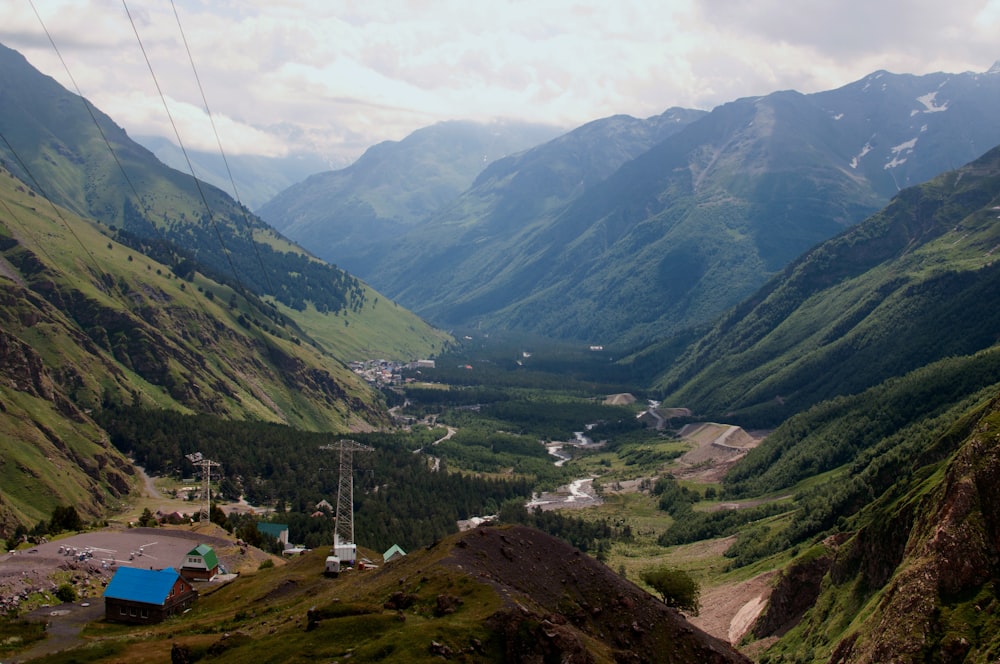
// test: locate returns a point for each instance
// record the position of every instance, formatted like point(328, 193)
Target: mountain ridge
point(931, 240)
point(705, 216)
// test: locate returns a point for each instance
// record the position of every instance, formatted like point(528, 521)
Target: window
point(122, 610)
point(144, 613)
point(131, 611)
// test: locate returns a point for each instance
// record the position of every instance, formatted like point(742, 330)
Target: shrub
point(66, 593)
point(676, 587)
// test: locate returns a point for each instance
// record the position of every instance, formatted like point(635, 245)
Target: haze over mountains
point(624, 230)
point(258, 179)
point(867, 344)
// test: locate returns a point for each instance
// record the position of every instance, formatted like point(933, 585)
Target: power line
point(187, 158)
point(107, 142)
point(222, 152)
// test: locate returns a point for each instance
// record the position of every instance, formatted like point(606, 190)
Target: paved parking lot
point(90, 559)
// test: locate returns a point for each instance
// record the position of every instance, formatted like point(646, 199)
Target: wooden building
point(200, 564)
point(144, 596)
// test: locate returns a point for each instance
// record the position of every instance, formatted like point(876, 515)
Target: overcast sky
point(335, 76)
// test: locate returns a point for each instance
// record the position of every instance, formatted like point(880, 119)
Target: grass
point(16, 635)
point(382, 330)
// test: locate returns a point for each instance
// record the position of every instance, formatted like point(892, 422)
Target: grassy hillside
point(76, 156)
point(488, 595)
point(88, 321)
point(912, 284)
point(916, 580)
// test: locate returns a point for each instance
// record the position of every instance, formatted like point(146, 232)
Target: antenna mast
point(206, 481)
point(344, 526)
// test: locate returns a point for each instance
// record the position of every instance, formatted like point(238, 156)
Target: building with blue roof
point(144, 596)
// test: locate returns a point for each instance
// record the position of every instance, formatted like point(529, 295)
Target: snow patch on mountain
point(899, 153)
point(857, 158)
point(930, 104)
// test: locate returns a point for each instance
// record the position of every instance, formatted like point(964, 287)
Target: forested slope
point(910, 285)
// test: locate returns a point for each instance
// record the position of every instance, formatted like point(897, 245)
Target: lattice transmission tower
point(344, 526)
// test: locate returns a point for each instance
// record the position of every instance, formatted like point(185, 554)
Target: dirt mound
point(563, 598)
point(624, 399)
point(717, 448)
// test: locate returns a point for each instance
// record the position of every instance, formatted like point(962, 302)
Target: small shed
point(146, 596)
point(395, 551)
point(278, 531)
point(200, 564)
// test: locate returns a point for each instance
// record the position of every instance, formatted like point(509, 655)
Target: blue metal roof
point(142, 585)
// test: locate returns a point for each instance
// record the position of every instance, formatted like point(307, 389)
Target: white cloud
point(339, 76)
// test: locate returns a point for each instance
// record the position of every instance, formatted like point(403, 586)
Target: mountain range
point(626, 230)
point(352, 213)
point(258, 179)
point(864, 341)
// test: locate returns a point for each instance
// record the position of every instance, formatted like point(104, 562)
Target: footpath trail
point(62, 630)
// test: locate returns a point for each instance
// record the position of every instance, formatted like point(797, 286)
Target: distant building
point(145, 596)
point(200, 564)
point(278, 531)
point(394, 552)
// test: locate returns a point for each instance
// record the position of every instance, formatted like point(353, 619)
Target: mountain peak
point(995, 69)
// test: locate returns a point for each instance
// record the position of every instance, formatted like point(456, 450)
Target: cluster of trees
point(887, 433)
point(594, 536)
point(398, 499)
point(64, 518)
point(675, 498)
point(840, 430)
point(292, 278)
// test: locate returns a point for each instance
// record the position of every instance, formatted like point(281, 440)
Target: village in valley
point(382, 373)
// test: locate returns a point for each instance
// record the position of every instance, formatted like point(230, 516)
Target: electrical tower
point(206, 466)
point(344, 526)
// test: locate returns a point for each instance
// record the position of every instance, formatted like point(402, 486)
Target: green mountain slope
point(916, 580)
point(346, 216)
point(671, 238)
point(912, 284)
point(87, 320)
point(53, 144)
point(150, 301)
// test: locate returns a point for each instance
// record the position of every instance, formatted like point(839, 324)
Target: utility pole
point(206, 466)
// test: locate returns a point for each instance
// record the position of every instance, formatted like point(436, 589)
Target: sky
point(334, 77)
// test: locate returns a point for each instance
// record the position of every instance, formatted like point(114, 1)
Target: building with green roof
point(278, 531)
point(200, 564)
point(395, 551)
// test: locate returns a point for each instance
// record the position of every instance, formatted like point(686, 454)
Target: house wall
point(195, 574)
point(141, 613)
